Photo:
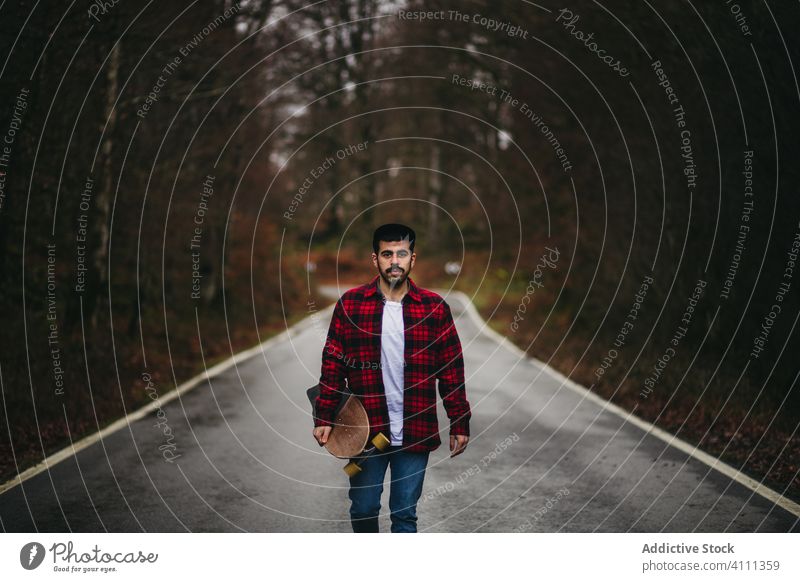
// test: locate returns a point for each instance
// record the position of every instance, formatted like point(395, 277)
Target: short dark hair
point(393, 232)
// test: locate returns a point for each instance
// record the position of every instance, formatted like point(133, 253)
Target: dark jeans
point(407, 475)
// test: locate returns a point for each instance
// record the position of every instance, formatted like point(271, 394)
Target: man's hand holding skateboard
point(321, 433)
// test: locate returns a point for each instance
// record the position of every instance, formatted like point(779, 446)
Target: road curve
point(542, 457)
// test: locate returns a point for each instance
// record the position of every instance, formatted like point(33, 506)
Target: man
point(392, 340)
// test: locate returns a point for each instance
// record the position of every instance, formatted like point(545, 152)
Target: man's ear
point(374, 259)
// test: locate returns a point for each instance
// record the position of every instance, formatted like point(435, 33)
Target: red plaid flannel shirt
point(432, 351)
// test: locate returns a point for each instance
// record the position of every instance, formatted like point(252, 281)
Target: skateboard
point(348, 437)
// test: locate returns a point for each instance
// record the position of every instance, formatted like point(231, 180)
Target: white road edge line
point(670, 439)
point(87, 441)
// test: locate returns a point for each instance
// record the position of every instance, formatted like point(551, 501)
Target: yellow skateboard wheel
point(352, 469)
point(380, 441)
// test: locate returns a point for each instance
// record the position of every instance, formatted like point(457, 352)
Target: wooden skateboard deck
point(348, 437)
point(350, 430)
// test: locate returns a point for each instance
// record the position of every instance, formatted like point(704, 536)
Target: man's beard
point(395, 281)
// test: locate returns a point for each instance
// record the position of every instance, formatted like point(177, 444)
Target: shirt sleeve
point(333, 373)
point(450, 373)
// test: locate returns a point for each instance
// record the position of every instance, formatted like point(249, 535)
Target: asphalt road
point(542, 458)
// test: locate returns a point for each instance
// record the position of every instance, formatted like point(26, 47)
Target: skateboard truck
point(379, 443)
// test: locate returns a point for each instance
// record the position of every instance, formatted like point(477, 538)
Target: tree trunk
point(435, 185)
point(102, 196)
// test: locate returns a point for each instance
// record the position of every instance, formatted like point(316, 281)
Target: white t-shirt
point(392, 356)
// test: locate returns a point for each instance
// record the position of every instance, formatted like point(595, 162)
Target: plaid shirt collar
point(374, 289)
